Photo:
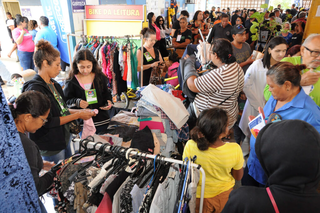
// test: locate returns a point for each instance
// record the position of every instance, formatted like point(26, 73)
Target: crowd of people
point(283, 85)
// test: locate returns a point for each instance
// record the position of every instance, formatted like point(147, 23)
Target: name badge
point(178, 37)
point(91, 96)
point(148, 56)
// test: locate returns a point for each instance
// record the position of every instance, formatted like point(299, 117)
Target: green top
point(315, 93)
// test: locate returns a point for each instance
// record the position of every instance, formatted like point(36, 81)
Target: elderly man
point(310, 56)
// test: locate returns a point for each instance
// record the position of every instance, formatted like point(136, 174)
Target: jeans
point(26, 60)
point(63, 154)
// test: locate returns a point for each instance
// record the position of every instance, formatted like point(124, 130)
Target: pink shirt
point(158, 37)
point(27, 45)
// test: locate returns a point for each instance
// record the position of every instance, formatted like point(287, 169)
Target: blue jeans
point(63, 154)
point(26, 60)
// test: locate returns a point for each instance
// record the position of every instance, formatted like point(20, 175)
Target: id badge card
point(148, 56)
point(91, 96)
point(178, 37)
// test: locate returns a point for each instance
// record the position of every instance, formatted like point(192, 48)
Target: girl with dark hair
point(196, 24)
point(173, 64)
point(151, 56)
point(152, 25)
point(221, 161)
point(85, 77)
point(32, 28)
point(25, 43)
point(30, 112)
point(255, 80)
point(220, 86)
point(163, 31)
point(290, 102)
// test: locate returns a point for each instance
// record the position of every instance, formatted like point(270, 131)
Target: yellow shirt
point(217, 164)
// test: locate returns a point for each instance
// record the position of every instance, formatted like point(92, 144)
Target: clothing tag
point(148, 56)
point(178, 37)
point(172, 174)
point(91, 96)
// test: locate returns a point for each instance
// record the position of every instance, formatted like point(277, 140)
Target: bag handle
point(274, 204)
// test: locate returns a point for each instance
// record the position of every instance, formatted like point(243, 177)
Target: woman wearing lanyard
point(152, 19)
point(25, 43)
point(151, 55)
point(53, 139)
point(87, 87)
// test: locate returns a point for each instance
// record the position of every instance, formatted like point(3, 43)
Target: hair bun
point(300, 67)
point(43, 45)
point(144, 30)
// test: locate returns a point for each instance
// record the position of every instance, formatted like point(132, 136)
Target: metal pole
point(141, 72)
point(69, 49)
point(204, 47)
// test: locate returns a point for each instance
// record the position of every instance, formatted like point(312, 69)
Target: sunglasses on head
point(240, 27)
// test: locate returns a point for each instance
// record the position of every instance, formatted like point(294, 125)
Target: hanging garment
point(124, 76)
point(121, 84)
point(120, 60)
point(104, 61)
point(129, 74)
point(134, 67)
point(17, 188)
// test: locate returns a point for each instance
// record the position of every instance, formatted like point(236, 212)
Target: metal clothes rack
point(115, 37)
point(131, 151)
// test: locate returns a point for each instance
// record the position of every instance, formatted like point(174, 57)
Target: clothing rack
point(132, 151)
point(115, 37)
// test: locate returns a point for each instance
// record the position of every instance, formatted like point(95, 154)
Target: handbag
point(75, 127)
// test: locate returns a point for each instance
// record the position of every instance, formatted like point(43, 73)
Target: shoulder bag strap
point(274, 204)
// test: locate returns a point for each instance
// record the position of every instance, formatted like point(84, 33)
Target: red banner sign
point(115, 12)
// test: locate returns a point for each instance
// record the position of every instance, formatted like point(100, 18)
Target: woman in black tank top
point(151, 55)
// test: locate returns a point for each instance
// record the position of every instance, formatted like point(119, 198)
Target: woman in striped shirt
point(221, 86)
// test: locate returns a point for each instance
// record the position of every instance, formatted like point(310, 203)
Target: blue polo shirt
point(301, 107)
point(47, 34)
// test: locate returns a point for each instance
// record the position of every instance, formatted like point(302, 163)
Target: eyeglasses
point(44, 120)
point(313, 53)
point(160, 20)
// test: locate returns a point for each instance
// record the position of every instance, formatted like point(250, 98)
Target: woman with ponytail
point(25, 43)
point(30, 112)
point(290, 102)
point(220, 86)
point(222, 162)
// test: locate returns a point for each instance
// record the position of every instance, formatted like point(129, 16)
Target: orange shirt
point(219, 21)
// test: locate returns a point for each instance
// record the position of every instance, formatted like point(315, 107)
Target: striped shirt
point(218, 85)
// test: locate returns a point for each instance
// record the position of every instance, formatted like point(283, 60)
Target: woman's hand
point(83, 104)
point(155, 64)
point(47, 165)
point(107, 107)
point(86, 114)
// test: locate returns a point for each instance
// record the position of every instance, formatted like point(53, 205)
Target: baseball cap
point(237, 29)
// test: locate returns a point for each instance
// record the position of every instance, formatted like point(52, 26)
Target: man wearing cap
point(221, 30)
point(287, 16)
point(310, 56)
point(213, 14)
point(241, 49)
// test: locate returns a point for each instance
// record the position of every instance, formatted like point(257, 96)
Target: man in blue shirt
point(46, 33)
